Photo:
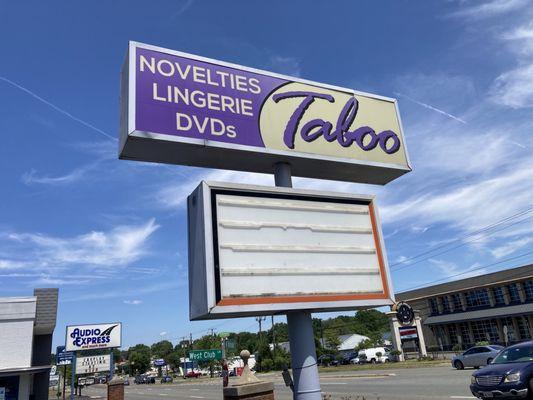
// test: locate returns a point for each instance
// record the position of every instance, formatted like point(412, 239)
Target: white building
point(26, 328)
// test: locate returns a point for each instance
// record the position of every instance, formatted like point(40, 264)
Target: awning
point(487, 313)
point(24, 370)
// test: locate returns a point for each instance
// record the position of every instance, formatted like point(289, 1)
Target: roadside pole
point(300, 323)
point(64, 380)
point(111, 365)
point(73, 376)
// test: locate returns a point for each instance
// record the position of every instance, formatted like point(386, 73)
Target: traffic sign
point(63, 357)
point(205, 355)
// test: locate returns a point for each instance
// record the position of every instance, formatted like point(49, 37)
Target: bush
point(267, 364)
point(457, 348)
point(482, 343)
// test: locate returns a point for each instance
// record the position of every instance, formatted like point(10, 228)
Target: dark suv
point(510, 375)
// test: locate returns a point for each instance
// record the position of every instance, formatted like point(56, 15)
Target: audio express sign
point(184, 109)
point(92, 364)
point(89, 337)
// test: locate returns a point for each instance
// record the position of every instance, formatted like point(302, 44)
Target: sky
point(111, 234)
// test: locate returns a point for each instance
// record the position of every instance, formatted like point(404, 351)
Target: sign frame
point(70, 347)
point(140, 145)
point(205, 302)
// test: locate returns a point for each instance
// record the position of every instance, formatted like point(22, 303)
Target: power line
point(475, 233)
point(478, 238)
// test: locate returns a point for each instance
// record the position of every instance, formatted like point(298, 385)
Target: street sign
point(159, 362)
point(205, 355)
point(260, 250)
point(91, 364)
point(63, 357)
point(183, 109)
point(223, 335)
point(91, 337)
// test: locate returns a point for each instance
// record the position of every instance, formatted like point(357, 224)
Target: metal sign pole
point(111, 365)
point(73, 376)
point(300, 323)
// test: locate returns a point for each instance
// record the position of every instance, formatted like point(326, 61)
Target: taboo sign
point(89, 337)
point(184, 109)
point(257, 250)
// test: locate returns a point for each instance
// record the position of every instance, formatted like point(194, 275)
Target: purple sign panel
point(247, 119)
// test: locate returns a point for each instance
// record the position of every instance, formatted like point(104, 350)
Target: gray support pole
point(73, 376)
point(111, 365)
point(300, 323)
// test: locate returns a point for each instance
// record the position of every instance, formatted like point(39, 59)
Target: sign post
point(300, 324)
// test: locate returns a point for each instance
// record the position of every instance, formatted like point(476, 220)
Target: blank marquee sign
point(258, 250)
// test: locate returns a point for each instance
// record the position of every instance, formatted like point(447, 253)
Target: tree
point(139, 357)
point(162, 349)
point(332, 342)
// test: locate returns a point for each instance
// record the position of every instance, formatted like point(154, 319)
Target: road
point(437, 383)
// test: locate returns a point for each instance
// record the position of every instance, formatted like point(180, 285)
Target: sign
point(408, 332)
point(258, 250)
point(184, 109)
point(404, 313)
point(159, 362)
point(89, 337)
point(91, 364)
point(63, 357)
point(53, 370)
point(205, 355)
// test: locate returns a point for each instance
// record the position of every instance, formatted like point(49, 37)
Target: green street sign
point(205, 355)
point(224, 334)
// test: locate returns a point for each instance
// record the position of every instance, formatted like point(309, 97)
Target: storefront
point(27, 325)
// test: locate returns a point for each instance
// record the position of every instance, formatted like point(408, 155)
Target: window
point(523, 328)
point(452, 334)
point(477, 298)
point(465, 336)
point(457, 304)
point(514, 295)
point(445, 304)
point(433, 306)
point(485, 330)
point(511, 334)
point(528, 289)
point(499, 300)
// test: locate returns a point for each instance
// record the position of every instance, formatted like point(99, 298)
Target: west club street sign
point(205, 355)
point(256, 250)
point(183, 109)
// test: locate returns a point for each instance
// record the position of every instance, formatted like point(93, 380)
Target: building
point(349, 342)
point(495, 307)
point(26, 326)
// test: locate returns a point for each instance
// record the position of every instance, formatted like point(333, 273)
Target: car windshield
point(514, 355)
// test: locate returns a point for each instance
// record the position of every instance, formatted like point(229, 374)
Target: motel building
point(495, 307)
point(26, 328)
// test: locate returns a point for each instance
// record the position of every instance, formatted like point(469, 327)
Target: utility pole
point(273, 334)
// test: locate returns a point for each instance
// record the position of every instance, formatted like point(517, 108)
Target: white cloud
point(510, 247)
point(285, 65)
point(133, 302)
point(487, 9)
point(119, 246)
point(514, 88)
point(77, 174)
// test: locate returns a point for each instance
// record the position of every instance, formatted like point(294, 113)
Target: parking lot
point(437, 383)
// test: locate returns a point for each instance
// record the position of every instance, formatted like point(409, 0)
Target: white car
point(476, 357)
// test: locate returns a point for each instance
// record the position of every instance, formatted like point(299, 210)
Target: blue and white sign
point(90, 337)
point(159, 362)
point(63, 357)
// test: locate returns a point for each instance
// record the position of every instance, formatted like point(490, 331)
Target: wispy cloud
point(514, 88)
point(430, 107)
point(285, 65)
point(117, 247)
point(488, 9)
point(57, 108)
point(132, 302)
point(77, 174)
point(510, 247)
point(185, 5)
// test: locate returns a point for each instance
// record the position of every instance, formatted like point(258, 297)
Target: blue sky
point(112, 234)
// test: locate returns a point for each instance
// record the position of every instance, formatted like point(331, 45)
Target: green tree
point(162, 349)
point(139, 357)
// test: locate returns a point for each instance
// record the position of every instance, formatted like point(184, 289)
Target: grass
point(396, 365)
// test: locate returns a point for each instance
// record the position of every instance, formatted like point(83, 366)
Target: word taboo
point(184, 109)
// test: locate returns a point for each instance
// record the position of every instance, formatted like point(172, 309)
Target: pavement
point(435, 383)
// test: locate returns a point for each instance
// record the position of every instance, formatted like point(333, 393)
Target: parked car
point(166, 379)
point(326, 360)
point(192, 374)
point(144, 379)
point(348, 357)
point(356, 360)
point(476, 357)
point(509, 375)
